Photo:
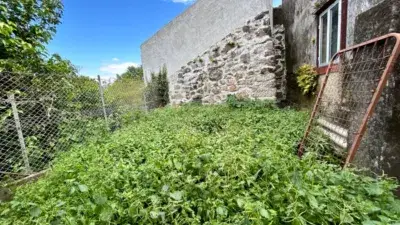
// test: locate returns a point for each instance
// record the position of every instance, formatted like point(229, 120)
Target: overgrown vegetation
point(125, 92)
point(63, 105)
point(132, 72)
point(157, 90)
point(236, 102)
point(307, 79)
point(202, 165)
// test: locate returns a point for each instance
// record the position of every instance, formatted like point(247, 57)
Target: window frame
point(328, 12)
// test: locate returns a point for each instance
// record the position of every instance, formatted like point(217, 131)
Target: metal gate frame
point(375, 99)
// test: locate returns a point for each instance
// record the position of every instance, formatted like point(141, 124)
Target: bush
point(157, 90)
point(164, 170)
point(307, 79)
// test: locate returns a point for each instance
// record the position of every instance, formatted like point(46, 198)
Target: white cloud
point(117, 68)
point(115, 59)
point(183, 1)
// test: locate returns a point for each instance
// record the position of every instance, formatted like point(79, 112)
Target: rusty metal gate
point(348, 97)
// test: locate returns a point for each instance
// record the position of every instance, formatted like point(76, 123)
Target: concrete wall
point(301, 29)
point(195, 30)
point(380, 149)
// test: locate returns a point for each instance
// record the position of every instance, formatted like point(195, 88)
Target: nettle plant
point(209, 165)
point(307, 79)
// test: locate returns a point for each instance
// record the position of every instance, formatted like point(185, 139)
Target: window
point(329, 33)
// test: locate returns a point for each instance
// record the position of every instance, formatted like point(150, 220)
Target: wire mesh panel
point(43, 115)
point(349, 94)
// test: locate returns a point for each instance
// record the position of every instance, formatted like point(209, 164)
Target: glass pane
point(334, 31)
point(324, 38)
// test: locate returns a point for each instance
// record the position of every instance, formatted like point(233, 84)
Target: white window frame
point(329, 32)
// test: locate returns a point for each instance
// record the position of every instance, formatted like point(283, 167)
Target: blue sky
point(104, 36)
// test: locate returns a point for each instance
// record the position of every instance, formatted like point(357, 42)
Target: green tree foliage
point(26, 26)
point(51, 83)
point(157, 90)
point(132, 72)
point(203, 165)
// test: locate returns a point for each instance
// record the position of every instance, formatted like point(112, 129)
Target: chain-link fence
point(43, 115)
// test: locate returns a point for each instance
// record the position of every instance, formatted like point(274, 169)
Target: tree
point(132, 72)
point(157, 89)
point(25, 27)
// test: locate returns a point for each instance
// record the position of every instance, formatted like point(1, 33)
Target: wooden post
point(11, 99)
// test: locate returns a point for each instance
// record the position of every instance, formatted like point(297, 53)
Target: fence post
point(11, 99)
point(102, 100)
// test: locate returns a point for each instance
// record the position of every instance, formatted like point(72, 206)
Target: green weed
point(202, 165)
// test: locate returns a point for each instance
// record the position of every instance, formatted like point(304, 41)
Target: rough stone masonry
point(248, 63)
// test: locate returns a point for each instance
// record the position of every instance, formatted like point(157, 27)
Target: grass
point(202, 165)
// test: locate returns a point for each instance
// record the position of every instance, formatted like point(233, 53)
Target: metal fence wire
point(350, 93)
point(43, 115)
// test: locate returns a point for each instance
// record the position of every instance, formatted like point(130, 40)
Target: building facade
point(190, 34)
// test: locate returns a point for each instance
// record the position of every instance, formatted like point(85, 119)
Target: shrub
point(157, 90)
point(307, 79)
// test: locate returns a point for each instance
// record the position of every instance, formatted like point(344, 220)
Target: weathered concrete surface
point(192, 32)
point(355, 8)
point(380, 149)
point(301, 46)
point(248, 62)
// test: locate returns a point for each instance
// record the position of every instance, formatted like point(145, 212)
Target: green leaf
point(222, 211)
point(72, 191)
point(370, 222)
point(83, 188)
point(133, 210)
point(264, 213)
point(346, 218)
point(177, 195)
point(313, 201)
point(5, 211)
point(56, 221)
point(165, 188)
point(240, 202)
point(35, 211)
point(100, 200)
point(154, 214)
point(374, 189)
point(60, 203)
point(106, 214)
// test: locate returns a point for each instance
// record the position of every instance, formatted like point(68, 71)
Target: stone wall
point(248, 62)
point(192, 32)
